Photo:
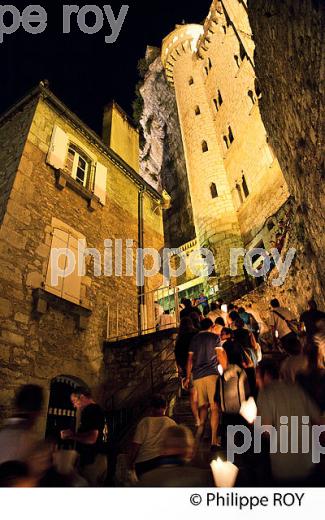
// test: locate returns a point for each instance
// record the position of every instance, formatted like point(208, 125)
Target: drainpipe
point(140, 259)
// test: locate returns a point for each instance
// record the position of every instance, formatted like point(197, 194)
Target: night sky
point(83, 70)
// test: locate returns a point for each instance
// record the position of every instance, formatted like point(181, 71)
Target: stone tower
point(215, 216)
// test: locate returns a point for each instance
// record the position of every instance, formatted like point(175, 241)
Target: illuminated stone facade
point(48, 331)
point(235, 181)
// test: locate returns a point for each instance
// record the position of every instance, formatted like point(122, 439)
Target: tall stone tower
point(215, 216)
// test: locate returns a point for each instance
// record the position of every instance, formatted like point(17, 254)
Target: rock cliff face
point(289, 57)
point(162, 161)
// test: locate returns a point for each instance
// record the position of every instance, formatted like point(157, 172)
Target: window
point(205, 147)
point(236, 58)
point(230, 135)
point(191, 81)
point(206, 70)
point(82, 166)
point(224, 29)
point(216, 104)
point(250, 94)
point(242, 52)
point(197, 110)
point(225, 138)
point(62, 278)
point(270, 225)
point(78, 166)
point(245, 187)
point(210, 63)
point(239, 193)
point(258, 91)
point(213, 190)
point(220, 100)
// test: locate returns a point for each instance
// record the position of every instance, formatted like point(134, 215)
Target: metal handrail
point(123, 419)
point(142, 313)
point(142, 369)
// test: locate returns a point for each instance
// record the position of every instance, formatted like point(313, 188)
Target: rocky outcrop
point(289, 57)
point(162, 161)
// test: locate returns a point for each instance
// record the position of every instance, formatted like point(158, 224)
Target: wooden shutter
point(60, 240)
point(72, 283)
point(68, 288)
point(58, 148)
point(100, 182)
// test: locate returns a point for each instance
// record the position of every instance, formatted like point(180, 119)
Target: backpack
point(292, 324)
point(232, 389)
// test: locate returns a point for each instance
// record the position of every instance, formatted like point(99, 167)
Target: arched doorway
point(61, 415)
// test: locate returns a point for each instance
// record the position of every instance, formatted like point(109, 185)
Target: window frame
point(79, 154)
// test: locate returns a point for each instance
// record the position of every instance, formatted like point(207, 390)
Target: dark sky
point(83, 70)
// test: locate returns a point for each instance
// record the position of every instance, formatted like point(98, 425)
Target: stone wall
point(289, 57)
point(33, 347)
point(137, 362)
point(13, 134)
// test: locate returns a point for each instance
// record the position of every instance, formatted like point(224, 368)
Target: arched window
point(250, 94)
point(197, 110)
point(230, 135)
point(191, 81)
point(245, 187)
point(239, 193)
point(236, 58)
point(225, 138)
point(210, 63)
point(220, 100)
point(213, 190)
point(205, 147)
point(224, 29)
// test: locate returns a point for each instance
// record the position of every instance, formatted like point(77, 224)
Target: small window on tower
point(236, 58)
point(210, 63)
point(197, 110)
point(205, 147)
point(242, 52)
point(225, 138)
point(239, 193)
point(230, 135)
point(220, 100)
point(245, 187)
point(213, 190)
point(191, 81)
point(216, 104)
point(250, 94)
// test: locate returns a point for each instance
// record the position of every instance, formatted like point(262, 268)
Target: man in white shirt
point(146, 446)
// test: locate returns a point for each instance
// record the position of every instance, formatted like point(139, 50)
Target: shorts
point(206, 389)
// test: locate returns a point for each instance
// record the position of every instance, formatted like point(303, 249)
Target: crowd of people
point(223, 358)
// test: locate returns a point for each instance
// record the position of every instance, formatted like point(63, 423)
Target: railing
point(153, 377)
point(142, 314)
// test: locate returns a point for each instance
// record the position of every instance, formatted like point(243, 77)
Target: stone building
point(62, 186)
point(235, 181)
